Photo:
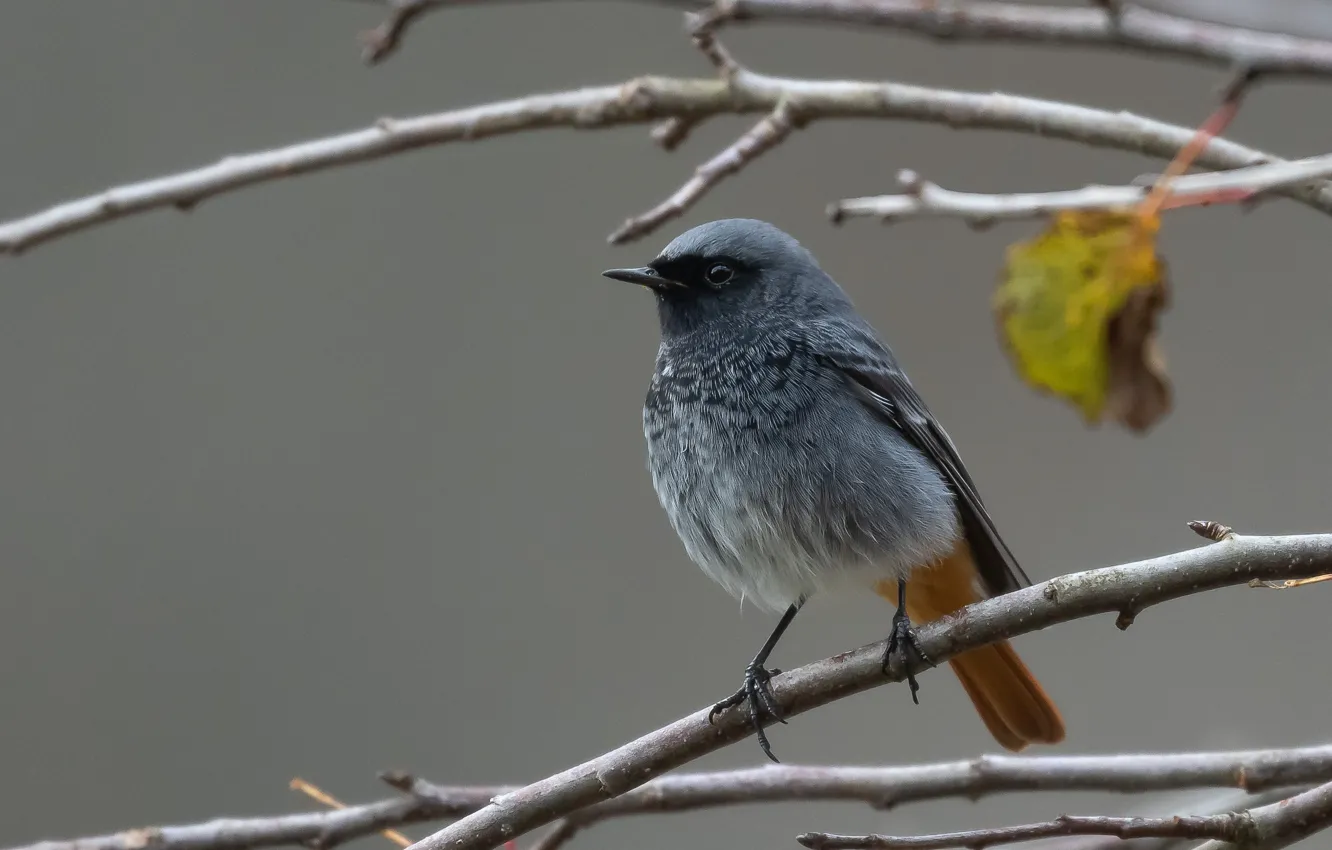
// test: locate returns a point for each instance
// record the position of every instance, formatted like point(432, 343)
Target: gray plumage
point(789, 451)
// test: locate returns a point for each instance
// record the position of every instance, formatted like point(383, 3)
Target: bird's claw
point(902, 642)
point(756, 692)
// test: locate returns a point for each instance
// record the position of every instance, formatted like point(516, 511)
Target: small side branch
point(378, 43)
point(761, 138)
point(1114, 26)
point(1284, 823)
point(1226, 827)
point(923, 199)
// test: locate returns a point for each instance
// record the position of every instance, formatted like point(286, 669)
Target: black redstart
point(793, 456)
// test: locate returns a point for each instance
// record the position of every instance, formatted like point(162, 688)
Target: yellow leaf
point(1077, 310)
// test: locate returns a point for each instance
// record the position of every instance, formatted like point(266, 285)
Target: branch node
point(138, 839)
point(1126, 617)
point(1114, 16)
point(672, 132)
point(886, 803)
point(1244, 76)
point(1213, 531)
point(912, 183)
point(701, 33)
point(378, 43)
point(942, 21)
point(713, 17)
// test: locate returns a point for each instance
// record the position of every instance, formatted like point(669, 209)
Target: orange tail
point(1008, 698)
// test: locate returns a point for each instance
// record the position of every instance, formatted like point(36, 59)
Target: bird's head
point(736, 269)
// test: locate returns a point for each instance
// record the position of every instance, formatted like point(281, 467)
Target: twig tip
point(1125, 619)
point(1213, 531)
point(399, 779)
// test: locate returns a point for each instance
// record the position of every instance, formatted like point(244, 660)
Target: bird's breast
point(779, 481)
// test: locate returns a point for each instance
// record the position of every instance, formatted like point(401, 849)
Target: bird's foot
point(902, 642)
point(757, 694)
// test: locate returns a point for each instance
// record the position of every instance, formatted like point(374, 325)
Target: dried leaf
point(1139, 393)
point(1077, 305)
point(1077, 308)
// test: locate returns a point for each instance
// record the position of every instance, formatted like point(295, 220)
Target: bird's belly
point(774, 516)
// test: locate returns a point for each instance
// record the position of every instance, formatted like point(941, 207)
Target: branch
point(324, 828)
point(923, 199)
point(1254, 771)
point(1262, 827)
point(378, 43)
point(1125, 27)
point(1225, 827)
point(1284, 823)
point(639, 101)
point(1126, 590)
point(761, 138)
point(1226, 802)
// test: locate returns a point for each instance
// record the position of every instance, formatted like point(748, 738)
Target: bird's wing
point(874, 375)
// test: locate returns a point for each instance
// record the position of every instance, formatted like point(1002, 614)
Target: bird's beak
point(645, 276)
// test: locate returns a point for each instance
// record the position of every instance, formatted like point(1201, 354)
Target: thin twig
point(1226, 802)
point(1232, 96)
point(672, 132)
point(758, 140)
point(378, 43)
point(320, 795)
point(1226, 827)
point(1127, 590)
point(639, 101)
point(924, 199)
point(1284, 823)
point(562, 833)
point(1254, 772)
point(1122, 27)
point(1113, 26)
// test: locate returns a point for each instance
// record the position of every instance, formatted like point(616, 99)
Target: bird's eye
point(719, 273)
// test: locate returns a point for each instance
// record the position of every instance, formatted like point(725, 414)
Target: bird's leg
point(903, 639)
point(756, 691)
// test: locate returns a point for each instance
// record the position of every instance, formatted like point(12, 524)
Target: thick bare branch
point(1091, 25)
point(639, 101)
point(1126, 590)
point(1255, 771)
point(922, 199)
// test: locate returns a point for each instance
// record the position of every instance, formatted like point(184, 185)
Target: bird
point(793, 457)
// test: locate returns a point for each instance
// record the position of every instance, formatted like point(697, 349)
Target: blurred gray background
point(345, 473)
